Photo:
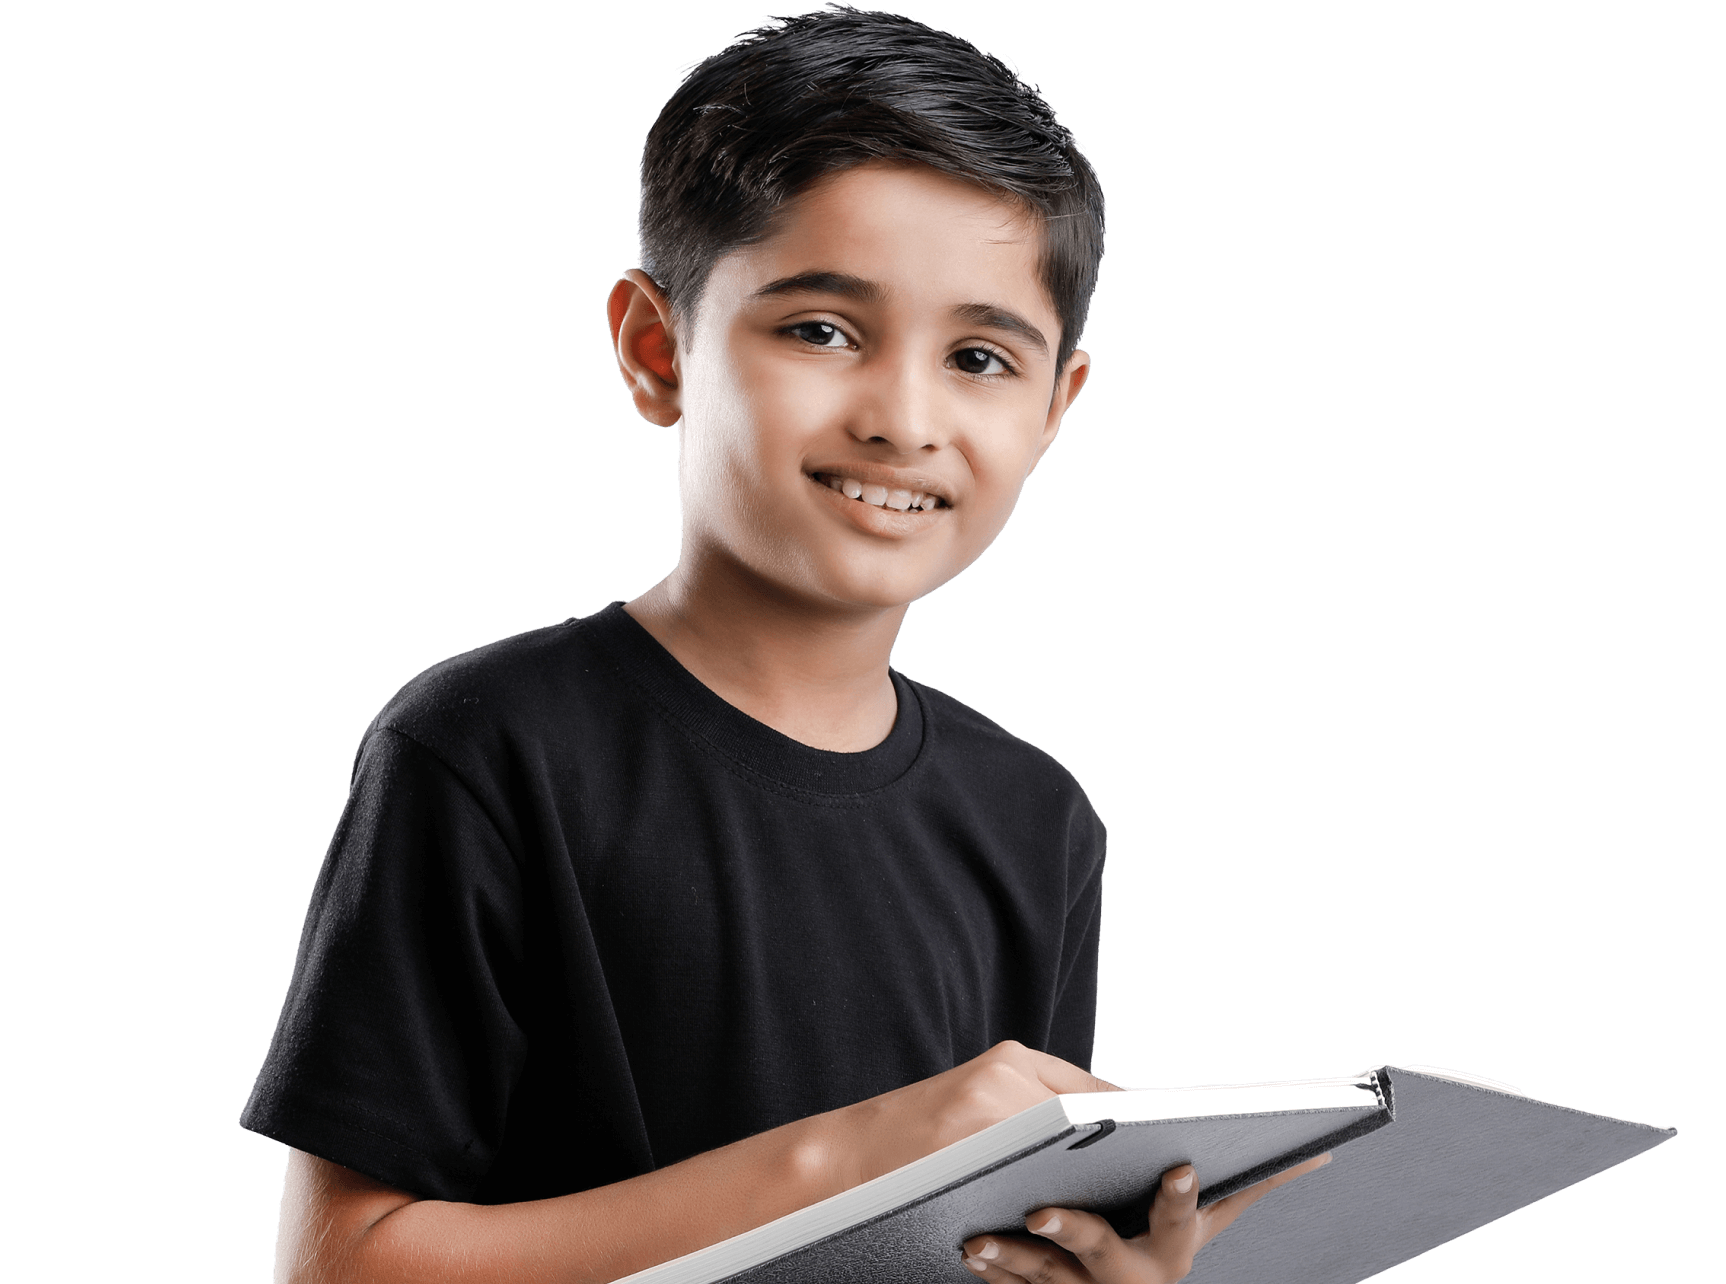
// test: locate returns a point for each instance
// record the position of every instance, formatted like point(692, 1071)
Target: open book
point(1425, 1159)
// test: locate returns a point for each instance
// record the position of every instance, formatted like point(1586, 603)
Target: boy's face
point(891, 341)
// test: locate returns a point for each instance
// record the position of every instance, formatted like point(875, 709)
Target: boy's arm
point(339, 1227)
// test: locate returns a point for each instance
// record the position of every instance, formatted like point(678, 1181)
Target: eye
point(820, 334)
point(980, 361)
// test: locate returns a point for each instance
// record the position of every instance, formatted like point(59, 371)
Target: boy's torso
point(626, 923)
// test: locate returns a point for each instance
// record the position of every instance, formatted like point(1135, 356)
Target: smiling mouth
point(879, 496)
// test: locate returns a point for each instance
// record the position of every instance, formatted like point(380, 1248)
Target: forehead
point(928, 240)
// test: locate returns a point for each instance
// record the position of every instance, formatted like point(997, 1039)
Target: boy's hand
point(883, 1133)
point(1081, 1248)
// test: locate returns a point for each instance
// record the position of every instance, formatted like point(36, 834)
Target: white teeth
point(898, 499)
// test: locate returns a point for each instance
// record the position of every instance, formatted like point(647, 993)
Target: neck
point(813, 671)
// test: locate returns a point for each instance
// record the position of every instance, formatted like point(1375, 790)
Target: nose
point(901, 407)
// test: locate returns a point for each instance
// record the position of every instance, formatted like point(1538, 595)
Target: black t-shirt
point(582, 918)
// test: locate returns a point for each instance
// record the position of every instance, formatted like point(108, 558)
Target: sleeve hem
point(354, 1145)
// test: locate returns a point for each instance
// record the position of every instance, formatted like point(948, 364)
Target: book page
point(1145, 1104)
point(1464, 1077)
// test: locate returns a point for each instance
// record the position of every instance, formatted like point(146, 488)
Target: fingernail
point(1049, 1227)
point(990, 1251)
point(1184, 1184)
point(977, 1264)
point(1323, 1160)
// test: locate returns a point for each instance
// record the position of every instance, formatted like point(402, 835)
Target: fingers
point(1081, 1248)
point(1008, 1259)
point(1299, 1170)
point(1071, 1248)
point(1055, 1074)
point(1167, 1246)
point(1218, 1216)
point(1088, 1238)
point(1175, 1204)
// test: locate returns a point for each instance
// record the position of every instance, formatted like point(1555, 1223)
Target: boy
point(646, 929)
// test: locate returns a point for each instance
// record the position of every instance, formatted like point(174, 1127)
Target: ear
point(643, 336)
point(1067, 385)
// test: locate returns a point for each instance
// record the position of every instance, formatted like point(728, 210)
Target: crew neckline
point(751, 744)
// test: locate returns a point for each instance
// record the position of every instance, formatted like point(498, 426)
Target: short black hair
point(789, 104)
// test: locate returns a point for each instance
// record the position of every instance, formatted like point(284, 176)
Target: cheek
point(719, 425)
point(1000, 456)
point(794, 401)
point(760, 413)
point(988, 517)
point(1002, 451)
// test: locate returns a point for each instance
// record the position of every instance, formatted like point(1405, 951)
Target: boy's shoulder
point(508, 677)
point(988, 748)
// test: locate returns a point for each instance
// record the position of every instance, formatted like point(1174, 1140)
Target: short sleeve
point(1073, 1029)
point(399, 1042)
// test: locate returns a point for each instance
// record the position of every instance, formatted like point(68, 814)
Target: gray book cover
point(1455, 1157)
point(1436, 1159)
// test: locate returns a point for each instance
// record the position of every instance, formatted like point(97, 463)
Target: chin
point(873, 597)
point(875, 588)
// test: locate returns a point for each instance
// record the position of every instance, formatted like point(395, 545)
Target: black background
point(1336, 592)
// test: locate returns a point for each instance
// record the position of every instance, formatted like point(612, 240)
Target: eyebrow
point(991, 317)
point(988, 315)
point(840, 283)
